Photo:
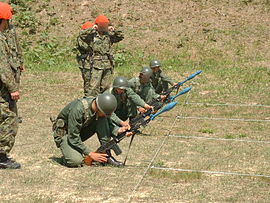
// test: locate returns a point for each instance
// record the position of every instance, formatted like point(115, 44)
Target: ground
point(228, 156)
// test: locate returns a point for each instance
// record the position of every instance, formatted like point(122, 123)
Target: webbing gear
point(86, 108)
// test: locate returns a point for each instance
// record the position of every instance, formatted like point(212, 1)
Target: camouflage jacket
point(99, 47)
point(158, 77)
point(7, 75)
point(145, 91)
point(16, 59)
point(124, 101)
point(78, 116)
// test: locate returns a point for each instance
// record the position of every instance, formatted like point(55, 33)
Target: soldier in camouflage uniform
point(83, 58)
point(9, 91)
point(79, 121)
point(98, 41)
point(16, 59)
point(159, 80)
point(127, 102)
point(143, 87)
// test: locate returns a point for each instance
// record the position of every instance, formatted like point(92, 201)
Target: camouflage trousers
point(96, 81)
point(8, 127)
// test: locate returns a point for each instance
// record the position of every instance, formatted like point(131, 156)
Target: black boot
point(112, 161)
point(7, 163)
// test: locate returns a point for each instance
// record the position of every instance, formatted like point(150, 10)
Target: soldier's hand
point(15, 95)
point(22, 68)
point(174, 84)
point(123, 129)
point(111, 28)
point(147, 106)
point(163, 97)
point(141, 110)
point(99, 157)
point(125, 124)
point(129, 133)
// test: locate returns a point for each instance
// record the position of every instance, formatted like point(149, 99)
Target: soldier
point(9, 91)
point(100, 39)
point(16, 59)
point(127, 102)
point(80, 120)
point(143, 87)
point(83, 58)
point(160, 81)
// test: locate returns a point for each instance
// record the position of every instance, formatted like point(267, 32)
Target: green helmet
point(145, 74)
point(106, 103)
point(120, 82)
point(155, 63)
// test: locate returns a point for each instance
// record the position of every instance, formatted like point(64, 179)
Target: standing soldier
point(83, 57)
point(160, 81)
point(127, 102)
point(100, 39)
point(80, 120)
point(16, 59)
point(9, 91)
point(143, 87)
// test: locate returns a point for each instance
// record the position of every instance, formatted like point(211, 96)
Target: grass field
point(221, 154)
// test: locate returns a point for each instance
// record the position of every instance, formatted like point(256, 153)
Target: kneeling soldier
point(143, 87)
point(127, 101)
point(80, 120)
point(159, 80)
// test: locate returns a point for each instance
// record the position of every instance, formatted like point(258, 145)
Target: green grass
point(175, 177)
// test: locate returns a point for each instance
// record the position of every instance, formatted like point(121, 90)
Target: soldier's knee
point(74, 161)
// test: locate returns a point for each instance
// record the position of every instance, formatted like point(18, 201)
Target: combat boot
point(112, 161)
point(7, 163)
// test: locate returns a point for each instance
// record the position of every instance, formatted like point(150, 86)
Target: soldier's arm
point(75, 123)
point(116, 119)
point(116, 36)
point(87, 35)
point(151, 94)
point(135, 98)
point(82, 46)
point(6, 74)
point(166, 78)
point(113, 128)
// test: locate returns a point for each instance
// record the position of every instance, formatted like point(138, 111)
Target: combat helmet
point(145, 74)
point(106, 103)
point(155, 63)
point(120, 82)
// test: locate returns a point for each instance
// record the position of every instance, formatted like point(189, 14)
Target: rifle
point(168, 91)
point(158, 104)
point(112, 144)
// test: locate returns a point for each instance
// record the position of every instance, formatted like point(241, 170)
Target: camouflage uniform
point(8, 118)
point(75, 124)
point(160, 81)
point(83, 59)
point(126, 105)
point(15, 59)
point(145, 91)
point(101, 65)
